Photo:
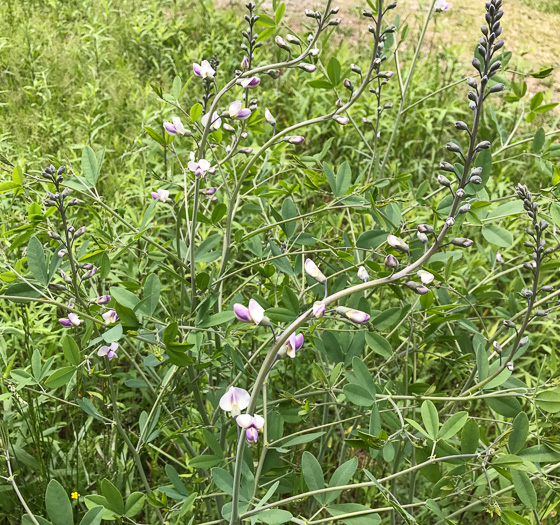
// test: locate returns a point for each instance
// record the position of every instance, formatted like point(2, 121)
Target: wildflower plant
point(271, 339)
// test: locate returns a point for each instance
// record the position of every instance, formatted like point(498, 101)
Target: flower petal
point(256, 311)
point(234, 108)
point(244, 420)
point(241, 313)
point(258, 421)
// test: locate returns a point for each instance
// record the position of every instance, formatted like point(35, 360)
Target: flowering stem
point(192, 244)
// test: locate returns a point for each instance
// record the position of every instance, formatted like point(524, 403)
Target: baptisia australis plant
point(243, 295)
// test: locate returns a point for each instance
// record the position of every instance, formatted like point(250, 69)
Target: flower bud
point(295, 139)
point(341, 119)
point(269, 118)
point(54, 235)
point(509, 366)
point(398, 244)
point(462, 242)
point(80, 232)
point(444, 181)
point(363, 274)
point(245, 63)
point(425, 228)
point(282, 44)
point(348, 84)
point(356, 316)
point(461, 126)
point(104, 299)
point(465, 208)
point(318, 309)
point(417, 287)
point(422, 237)
point(446, 166)
point(391, 261)
point(509, 324)
point(451, 146)
point(313, 271)
point(308, 68)
point(356, 69)
point(450, 221)
point(460, 193)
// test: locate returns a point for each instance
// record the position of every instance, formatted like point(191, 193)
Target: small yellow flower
point(75, 495)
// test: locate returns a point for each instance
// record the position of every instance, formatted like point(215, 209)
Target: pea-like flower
point(391, 261)
point(238, 112)
point(341, 119)
point(319, 309)
point(175, 127)
point(71, 320)
point(308, 68)
point(235, 400)
point(110, 316)
point(269, 118)
point(245, 63)
point(441, 5)
point(356, 316)
point(462, 241)
point(296, 139)
point(200, 167)
point(362, 274)
point(215, 122)
point(160, 195)
point(417, 287)
point(250, 82)
point(108, 351)
point(253, 314)
point(104, 299)
point(313, 271)
point(397, 243)
point(252, 424)
point(425, 277)
point(204, 70)
point(291, 346)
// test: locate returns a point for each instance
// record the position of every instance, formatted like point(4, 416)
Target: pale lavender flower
point(245, 63)
point(425, 277)
point(499, 258)
point(61, 253)
point(204, 70)
point(250, 82)
point(269, 118)
point(281, 43)
point(319, 309)
point(215, 123)
point(313, 271)
point(104, 299)
point(200, 167)
point(291, 346)
point(161, 195)
point(236, 111)
point(391, 261)
point(397, 243)
point(175, 127)
point(314, 52)
point(210, 191)
point(65, 322)
point(110, 316)
point(108, 351)
point(308, 68)
point(356, 316)
point(235, 400)
point(253, 314)
point(449, 222)
point(341, 119)
point(417, 287)
point(296, 139)
point(363, 274)
point(72, 320)
point(252, 424)
point(441, 5)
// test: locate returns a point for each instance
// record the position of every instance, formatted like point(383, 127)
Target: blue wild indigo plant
point(258, 347)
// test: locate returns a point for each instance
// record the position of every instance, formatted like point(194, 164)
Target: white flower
point(235, 400)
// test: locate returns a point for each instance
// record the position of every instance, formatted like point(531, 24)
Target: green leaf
point(279, 13)
point(362, 375)
point(306, 438)
point(113, 496)
point(519, 434)
point(176, 88)
point(60, 377)
point(358, 395)
point(289, 211)
point(150, 296)
point(537, 100)
point(371, 239)
point(134, 504)
point(196, 112)
point(343, 179)
point(91, 166)
point(555, 213)
point(538, 141)
point(113, 334)
point(36, 260)
point(155, 135)
point(378, 344)
point(93, 516)
point(124, 297)
point(455, 423)
point(313, 475)
point(387, 319)
point(88, 407)
point(218, 319)
point(223, 480)
point(349, 508)
point(342, 475)
point(26, 520)
point(275, 516)
point(505, 406)
point(540, 454)
point(58, 504)
point(71, 350)
point(497, 235)
point(524, 488)
point(333, 71)
point(282, 264)
point(549, 400)
point(430, 419)
point(205, 461)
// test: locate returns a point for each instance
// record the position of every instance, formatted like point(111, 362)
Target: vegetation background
point(80, 72)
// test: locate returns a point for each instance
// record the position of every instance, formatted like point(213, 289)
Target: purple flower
point(161, 195)
point(318, 309)
point(313, 271)
point(204, 70)
point(65, 322)
point(341, 119)
point(391, 261)
point(250, 82)
point(72, 320)
point(110, 316)
point(237, 112)
point(235, 400)
point(356, 316)
point(199, 168)
point(291, 346)
point(295, 139)
point(253, 314)
point(215, 123)
point(175, 127)
point(210, 191)
point(362, 274)
point(108, 351)
point(425, 277)
point(397, 243)
point(441, 5)
point(245, 63)
point(252, 424)
point(61, 254)
point(104, 299)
